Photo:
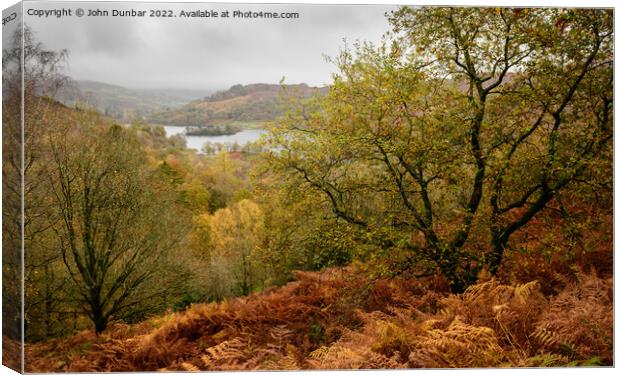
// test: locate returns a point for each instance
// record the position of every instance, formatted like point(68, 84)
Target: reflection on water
point(197, 141)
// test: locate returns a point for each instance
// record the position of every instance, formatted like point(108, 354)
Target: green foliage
point(196, 197)
point(590, 362)
point(184, 302)
point(170, 175)
point(317, 333)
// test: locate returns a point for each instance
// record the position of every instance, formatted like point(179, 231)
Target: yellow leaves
point(221, 335)
point(229, 240)
point(336, 357)
point(548, 339)
point(523, 291)
point(390, 337)
point(498, 308)
point(189, 367)
point(230, 351)
point(459, 345)
point(230, 229)
point(201, 231)
point(320, 353)
point(430, 324)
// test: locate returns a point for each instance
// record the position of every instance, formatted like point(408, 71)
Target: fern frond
point(189, 367)
point(523, 291)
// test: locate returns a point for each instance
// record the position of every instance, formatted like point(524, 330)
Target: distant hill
point(250, 103)
point(126, 104)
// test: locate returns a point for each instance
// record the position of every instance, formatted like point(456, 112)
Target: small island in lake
point(213, 130)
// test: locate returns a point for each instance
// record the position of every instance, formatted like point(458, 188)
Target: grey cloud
point(206, 53)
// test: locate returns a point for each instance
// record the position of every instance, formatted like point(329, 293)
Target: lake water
point(196, 141)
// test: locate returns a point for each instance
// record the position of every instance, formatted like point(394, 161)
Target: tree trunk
point(498, 245)
point(100, 321)
point(459, 278)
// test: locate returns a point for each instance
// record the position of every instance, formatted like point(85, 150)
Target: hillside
point(344, 319)
point(250, 103)
point(123, 103)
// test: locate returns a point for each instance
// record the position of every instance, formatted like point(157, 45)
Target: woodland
point(446, 202)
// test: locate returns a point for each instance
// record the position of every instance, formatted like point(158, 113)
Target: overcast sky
point(205, 53)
